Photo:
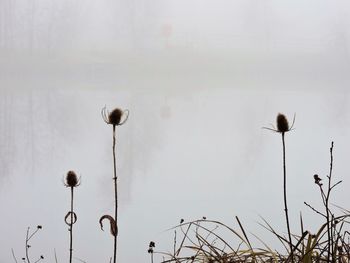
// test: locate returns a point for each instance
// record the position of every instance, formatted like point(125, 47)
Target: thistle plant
point(71, 181)
point(115, 118)
point(282, 128)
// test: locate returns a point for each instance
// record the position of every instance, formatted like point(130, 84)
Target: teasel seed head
point(282, 123)
point(71, 179)
point(115, 117)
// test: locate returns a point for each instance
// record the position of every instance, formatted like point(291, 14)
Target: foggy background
point(200, 79)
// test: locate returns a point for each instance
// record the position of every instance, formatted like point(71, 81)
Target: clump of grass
point(115, 118)
point(71, 181)
point(203, 240)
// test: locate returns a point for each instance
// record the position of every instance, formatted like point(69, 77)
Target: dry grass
point(202, 240)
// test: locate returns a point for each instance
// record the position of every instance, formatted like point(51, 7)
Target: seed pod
point(282, 123)
point(71, 179)
point(115, 116)
point(152, 244)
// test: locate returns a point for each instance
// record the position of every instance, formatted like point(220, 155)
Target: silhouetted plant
point(29, 236)
point(150, 251)
point(282, 128)
point(201, 240)
point(115, 118)
point(71, 181)
point(331, 220)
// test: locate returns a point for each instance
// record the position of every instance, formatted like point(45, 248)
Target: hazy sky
point(200, 79)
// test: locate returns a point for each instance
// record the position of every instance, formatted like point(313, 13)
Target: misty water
point(200, 81)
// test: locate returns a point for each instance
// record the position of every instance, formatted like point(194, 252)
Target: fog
point(200, 79)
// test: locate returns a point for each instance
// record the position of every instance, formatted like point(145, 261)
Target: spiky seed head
point(152, 244)
point(71, 179)
point(115, 116)
point(282, 123)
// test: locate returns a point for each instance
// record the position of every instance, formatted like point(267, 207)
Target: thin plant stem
point(28, 237)
point(71, 226)
point(27, 247)
point(285, 194)
point(33, 234)
point(330, 238)
point(55, 255)
point(115, 194)
point(39, 259)
point(13, 255)
point(80, 260)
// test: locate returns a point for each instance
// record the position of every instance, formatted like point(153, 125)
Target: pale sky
point(200, 79)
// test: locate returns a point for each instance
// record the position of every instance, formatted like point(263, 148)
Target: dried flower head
point(115, 117)
point(282, 124)
point(152, 244)
point(71, 179)
point(150, 247)
point(317, 180)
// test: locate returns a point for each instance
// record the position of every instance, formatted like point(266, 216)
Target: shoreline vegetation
point(203, 240)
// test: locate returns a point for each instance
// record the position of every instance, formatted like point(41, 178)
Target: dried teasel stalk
point(71, 181)
point(115, 118)
point(114, 227)
point(282, 128)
